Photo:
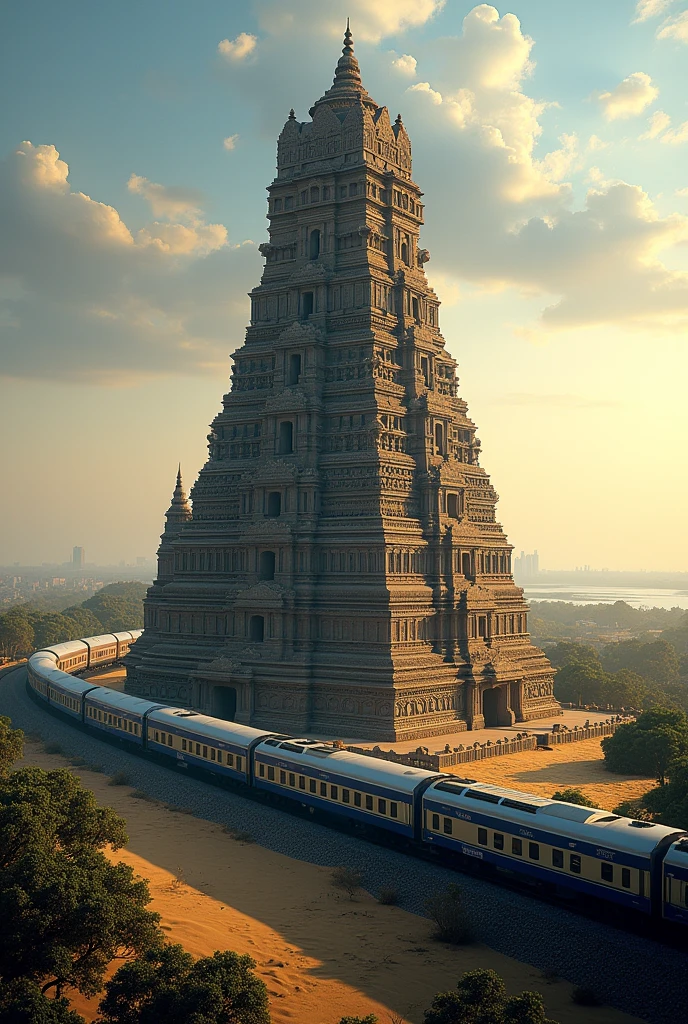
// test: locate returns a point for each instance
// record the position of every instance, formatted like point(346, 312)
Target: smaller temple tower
point(176, 516)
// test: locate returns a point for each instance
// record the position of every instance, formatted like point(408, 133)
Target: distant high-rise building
point(342, 570)
point(78, 558)
point(526, 567)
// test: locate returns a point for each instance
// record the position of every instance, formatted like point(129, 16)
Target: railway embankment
point(635, 974)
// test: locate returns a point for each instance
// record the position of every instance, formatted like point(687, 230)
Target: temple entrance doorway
point(491, 707)
point(224, 702)
point(495, 706)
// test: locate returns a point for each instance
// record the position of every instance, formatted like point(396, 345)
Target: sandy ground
point(320, 954)
point(572, 764)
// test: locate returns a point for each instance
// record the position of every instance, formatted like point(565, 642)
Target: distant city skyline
point(550, 141)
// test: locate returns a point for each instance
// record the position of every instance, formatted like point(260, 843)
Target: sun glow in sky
point(551, 141)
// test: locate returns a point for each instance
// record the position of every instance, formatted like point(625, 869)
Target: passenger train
point(570, 849)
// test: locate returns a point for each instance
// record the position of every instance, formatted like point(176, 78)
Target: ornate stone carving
point(358, 582)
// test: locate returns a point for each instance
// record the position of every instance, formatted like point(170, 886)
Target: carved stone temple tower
point(343, 572)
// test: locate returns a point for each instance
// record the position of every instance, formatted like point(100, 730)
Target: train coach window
point(157, 737)
point(183, 744)
point(369, 803)
point(382, 807)
point(534, 851)
point(447, 826)
point(302, 782)
point(357, 799)
point(575, 863)
point(557, 858)
point(212, 753)
point(312, 786)
point(607, 872)
point(205, 752)
point(283, 778)
point(346, 796)
point(261, 768)
point(238, 763)
point(498, 841)
point(169, 739)
point(333, 792)
point(392, 810)
point(436, 822)
point(626, 878)
point(292, 779)
point(482, 836)
point(198, 750)
point(271, 774)
point(323, 789)
point(162, 737)
point(230, 760)
point(517, 847)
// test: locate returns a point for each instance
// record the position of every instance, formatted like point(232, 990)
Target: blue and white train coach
point(365, 789)
point(223, 748)
point(576, 848)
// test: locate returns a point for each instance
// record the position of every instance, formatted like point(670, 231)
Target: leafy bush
point(119, 779)
point(573, 796)
point(347, 879)
point(648, 745)
point(452, 924)
point(584, 996)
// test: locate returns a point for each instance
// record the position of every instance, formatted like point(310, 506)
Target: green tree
point(581, 683)
point(573, 796)
point(118, 606)
point(52, 628)
point(164, 984)
point(648, 745)
point(11, 745)
point(67, 911)
point(16, 634)
point(668, 804)
point(625, 689)
point(480, 998)
point(22, 1002)
point(85, 622)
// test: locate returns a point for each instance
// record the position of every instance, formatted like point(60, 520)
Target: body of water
point(637, 597)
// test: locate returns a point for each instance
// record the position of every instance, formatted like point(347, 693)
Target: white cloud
point(630, 97)
point(370, 22)
point(683, 192)
point(657, 123)
point(237, 49)
point(165, 200)
point(230, 142)
point(405, 65)
point(511, 221)
point(677, 136)
point(424, 87)
point(675, 28)
point(595, 143)
point(646, 9)
point(91, 301)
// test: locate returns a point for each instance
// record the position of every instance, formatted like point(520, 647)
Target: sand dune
point(321, 954)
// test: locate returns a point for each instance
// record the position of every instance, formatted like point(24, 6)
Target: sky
point(551, 142)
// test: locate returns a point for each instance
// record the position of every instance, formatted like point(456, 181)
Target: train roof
point(115, 699)
point(68, 684)
point(99, 641)
point(358, 767)
point(203, 725)
point(63, 650)
point(678, 852)
point(591, 823)
point(125, 634)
